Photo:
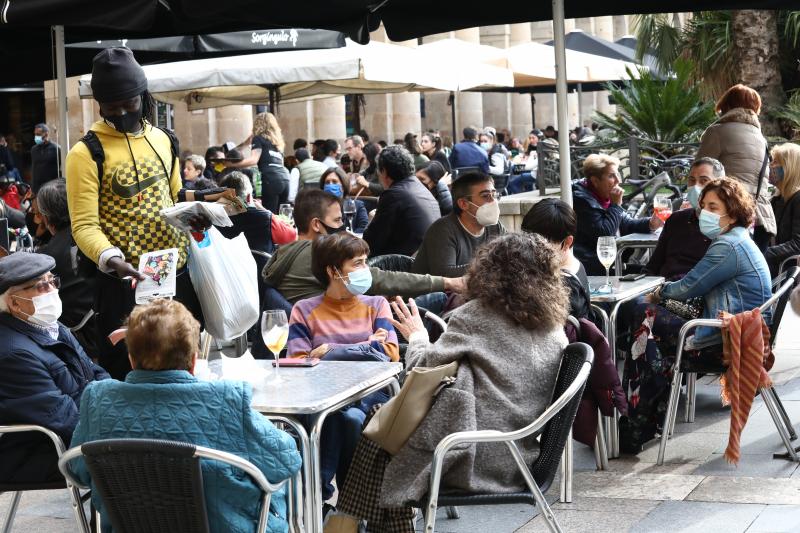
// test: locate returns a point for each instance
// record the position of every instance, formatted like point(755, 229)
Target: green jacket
point(289, 272)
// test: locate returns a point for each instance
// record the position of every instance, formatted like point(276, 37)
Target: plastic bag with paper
point(224, 275)
point(180, 214)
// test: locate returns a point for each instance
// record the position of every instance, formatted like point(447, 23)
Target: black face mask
point(331, 230)
point(130, 122)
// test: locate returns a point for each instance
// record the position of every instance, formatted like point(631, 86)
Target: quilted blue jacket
point(174, 405)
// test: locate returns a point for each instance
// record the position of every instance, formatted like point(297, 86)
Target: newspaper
point(180, 214)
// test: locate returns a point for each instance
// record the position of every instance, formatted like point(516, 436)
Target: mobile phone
point(297, 362)
point(632, 277)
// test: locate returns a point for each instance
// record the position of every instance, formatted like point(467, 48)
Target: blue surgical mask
point(693, 195)
point(38, 139)
point(486, 146)
point(776, 175)
point(333, 188)
point(358, 281)
point(709, 224)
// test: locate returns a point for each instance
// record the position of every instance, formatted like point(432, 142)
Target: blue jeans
point(521, 183)
point(340, 434)
point(433, 302)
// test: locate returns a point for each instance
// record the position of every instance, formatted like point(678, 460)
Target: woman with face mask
point(732, 276)
point(431, 177)
point(784, 174)
point(498, 162)
point(334, 181)
point(342, 323)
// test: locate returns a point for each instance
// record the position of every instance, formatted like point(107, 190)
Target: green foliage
point(656, 35)
point(790, 112)
point(669, 111)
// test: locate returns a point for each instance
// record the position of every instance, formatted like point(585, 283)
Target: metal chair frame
point(509, 438)
point(201, 452)
point(74, 493)
point(769, 395)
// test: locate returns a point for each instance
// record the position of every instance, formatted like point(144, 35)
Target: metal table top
point(309, 390)
point(622, 290)
point(638, 239)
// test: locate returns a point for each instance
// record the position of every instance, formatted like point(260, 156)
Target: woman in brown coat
point(735, 139)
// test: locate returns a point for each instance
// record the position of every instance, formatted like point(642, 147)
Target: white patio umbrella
point(364, 69)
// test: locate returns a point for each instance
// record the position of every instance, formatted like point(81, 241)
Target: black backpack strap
point(174, 144)
point(763, 169)
point(92, 142)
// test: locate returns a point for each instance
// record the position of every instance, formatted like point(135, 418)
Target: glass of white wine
point(607, 253)
point(275, 332)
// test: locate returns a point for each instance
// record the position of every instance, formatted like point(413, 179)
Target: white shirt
point(329, 161)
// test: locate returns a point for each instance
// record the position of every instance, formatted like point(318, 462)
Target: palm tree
point(726, 47)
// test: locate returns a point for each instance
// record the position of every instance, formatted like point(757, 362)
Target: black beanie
point(116, 75)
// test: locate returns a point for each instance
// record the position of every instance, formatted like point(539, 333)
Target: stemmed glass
point(349, 210)
point(287, 210)
point(275, 332)
point(662, 207)
point(607, 253)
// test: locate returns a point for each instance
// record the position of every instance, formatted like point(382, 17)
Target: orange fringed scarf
point(748, 355)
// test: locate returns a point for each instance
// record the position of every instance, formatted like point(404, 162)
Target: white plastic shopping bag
point(224, 275)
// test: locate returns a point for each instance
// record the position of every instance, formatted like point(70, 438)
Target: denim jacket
point(732, 276)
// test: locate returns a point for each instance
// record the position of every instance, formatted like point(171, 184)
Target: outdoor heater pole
point(61, 82)
point(561, 100)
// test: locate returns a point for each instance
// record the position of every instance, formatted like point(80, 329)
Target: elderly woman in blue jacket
point(732, 276)
point(161, 399)
point(597, 200)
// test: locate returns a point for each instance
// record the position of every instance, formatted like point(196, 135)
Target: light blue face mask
point(486, 146)
point(693, 195)
point(333, 188)
point(38, 139)
point(359, 281)
point(709, 224)
point(776, 175)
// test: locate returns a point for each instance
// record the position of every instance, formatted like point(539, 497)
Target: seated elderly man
point(43, 369)
point(681, 244)
point(262, 231)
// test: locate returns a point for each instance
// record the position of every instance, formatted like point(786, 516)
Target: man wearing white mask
point(43, 369)
point(451, 242)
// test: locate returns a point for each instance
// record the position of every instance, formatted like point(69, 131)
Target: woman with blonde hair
point(785, 175)
point(735, 139)
point(266, 152)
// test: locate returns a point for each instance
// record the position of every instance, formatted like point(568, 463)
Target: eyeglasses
point(44, 285)
point(489, 195)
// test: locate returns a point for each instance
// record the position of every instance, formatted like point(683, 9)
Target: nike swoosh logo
point(129, 191)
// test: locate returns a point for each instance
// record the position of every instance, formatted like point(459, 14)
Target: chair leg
point(546, 512)
point(784, 415)
point(669, 419)
point(430, 515)
point(77, 509)
point(769, 400)
point(12, 511)
point(566, 471)
point(241, 344)
point(600, 450)
point(691, 396)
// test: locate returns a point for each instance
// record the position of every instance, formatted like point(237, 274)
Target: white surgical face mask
point(488, 214)
point(46, 308)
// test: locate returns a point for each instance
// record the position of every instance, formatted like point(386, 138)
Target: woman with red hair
point(735, 139)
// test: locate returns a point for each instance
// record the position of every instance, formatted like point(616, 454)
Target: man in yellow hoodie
point(116, 217)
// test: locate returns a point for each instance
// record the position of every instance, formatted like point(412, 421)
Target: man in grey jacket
point(317, 213)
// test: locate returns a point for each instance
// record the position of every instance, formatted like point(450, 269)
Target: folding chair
point(554, 426)
point(157, 485)
point(16, 489)
point(777, 303)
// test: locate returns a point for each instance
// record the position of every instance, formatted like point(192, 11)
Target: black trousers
point(114, 301)
point(761, 238)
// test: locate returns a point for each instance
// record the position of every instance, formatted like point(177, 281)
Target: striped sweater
point(325, 320)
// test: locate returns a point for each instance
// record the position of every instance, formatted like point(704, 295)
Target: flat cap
point(20, 267)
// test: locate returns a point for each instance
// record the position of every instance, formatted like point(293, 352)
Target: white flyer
point(160, 269)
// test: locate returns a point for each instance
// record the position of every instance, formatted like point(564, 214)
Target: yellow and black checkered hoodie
point(124, 211)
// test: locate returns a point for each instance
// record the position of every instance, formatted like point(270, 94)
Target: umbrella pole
point(533, 111)
point(561, 100)
point(580, 105)
point(61, 81)
point(453, 113)
point(272, 99)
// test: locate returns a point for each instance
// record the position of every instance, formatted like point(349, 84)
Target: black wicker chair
point(553, 425)
point(392, 262)
point(157, 485)
point(16, 489)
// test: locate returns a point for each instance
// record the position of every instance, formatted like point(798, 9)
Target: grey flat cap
point(20, 267)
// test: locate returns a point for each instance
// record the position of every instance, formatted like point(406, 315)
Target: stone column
point(199, 129)
point(584, 24)
point(604, 27)
point(496, 106)
point(75, 121)
point(520, 103)
point(621, 28)
point(438, 114)
point(469, 105)
point(297, 120)
point(329, 118)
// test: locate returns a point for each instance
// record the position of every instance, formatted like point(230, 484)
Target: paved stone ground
point(696, 490)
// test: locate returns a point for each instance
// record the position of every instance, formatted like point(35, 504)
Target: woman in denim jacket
point(732, 276)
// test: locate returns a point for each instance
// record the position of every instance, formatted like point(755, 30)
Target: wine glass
point(607, 253)
point(286, 210)
point(662, 207)
point(349, 210)
point(275, 332)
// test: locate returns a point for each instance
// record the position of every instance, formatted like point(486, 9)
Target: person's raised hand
point(200, 223)
point(655, 222)
point(616, 195)
point(408, 319)
point(124, 269)
point(361, 181)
